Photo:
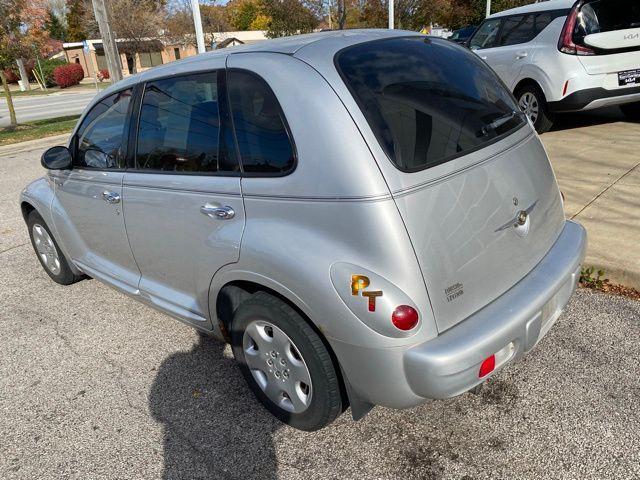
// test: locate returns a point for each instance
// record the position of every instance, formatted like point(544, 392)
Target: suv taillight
point(566, 43)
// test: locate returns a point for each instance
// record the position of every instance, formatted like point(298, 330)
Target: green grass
point(37, 129)
point(35, 90)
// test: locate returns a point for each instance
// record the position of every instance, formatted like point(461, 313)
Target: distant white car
point(566, 55)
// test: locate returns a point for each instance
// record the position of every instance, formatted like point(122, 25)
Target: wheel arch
point(525, 82)
point(26, 208)
point(234, 292)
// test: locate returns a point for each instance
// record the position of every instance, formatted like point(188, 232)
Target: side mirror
point(57, 158)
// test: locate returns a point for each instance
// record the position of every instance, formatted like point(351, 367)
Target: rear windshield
point(599, 16)
point(427, 100)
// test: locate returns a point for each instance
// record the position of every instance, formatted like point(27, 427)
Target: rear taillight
point(404, 317)
point(566, 43)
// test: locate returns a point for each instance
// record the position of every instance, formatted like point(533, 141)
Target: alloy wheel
point(530, 106)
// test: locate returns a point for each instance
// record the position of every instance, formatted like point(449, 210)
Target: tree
point(288, 17)
point(76, 17)
point(55, 27)
point(10, 11)
point(242, 13)
point(137, 23)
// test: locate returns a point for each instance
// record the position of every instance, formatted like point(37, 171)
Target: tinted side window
point(517, 29)
point(542, 21)
point(260, 125)
point(179, 125)
point(100, 136)
point(486, 35)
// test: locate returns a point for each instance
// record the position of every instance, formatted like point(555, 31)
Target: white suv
point(566, 55)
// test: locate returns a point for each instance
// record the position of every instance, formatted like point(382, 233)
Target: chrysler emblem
point(520, 222)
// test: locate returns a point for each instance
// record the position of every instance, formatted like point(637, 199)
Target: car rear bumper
point(591, 98)
point(513, 324)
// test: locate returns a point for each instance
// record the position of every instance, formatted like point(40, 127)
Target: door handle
point(218, 211)
point(483, 58)
point(110, 197)
point(521, 55)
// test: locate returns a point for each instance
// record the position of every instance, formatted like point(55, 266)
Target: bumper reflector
point(487, 366)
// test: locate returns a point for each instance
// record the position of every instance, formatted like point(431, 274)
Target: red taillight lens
point(404, 317)
point(565, 44)
point(487, 366)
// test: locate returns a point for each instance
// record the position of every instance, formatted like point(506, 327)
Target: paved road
point(39, 107)
point(94, 385)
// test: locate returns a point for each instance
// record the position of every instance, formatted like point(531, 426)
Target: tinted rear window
point(598, 16)
point(427, 100)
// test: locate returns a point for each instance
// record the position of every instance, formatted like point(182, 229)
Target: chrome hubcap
point(46, 249)
point(277, 366)
point(529, 105)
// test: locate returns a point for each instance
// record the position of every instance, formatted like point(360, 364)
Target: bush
point(13, 74)
point(48, 66)
point(103, 74)
point(68, 75)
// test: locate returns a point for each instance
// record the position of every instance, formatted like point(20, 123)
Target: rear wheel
point(285, 363)
point(533, 103)
point(631, 110)
point(51, 257)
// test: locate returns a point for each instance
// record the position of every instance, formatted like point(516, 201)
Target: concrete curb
point(34, 144)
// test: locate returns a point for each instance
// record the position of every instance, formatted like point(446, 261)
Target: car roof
point(285, 45)
point(537, 7)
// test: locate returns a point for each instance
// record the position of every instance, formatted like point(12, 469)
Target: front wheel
point(51, 257)
point(631, 110)
point(285, 363)
point(533, 103)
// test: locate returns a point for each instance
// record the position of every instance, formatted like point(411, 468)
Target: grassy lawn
point(37, 129)
point(35, 90)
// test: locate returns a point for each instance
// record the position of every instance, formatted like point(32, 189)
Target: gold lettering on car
point(358, 285)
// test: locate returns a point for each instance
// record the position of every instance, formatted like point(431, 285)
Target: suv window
point(427, 100)
point(179, 126)
point(100, 136)
point(597, 16)
point(486, 35)
point(517, 29)
point(261, 129)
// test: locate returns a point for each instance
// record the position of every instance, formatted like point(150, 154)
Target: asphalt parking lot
point(95, 385)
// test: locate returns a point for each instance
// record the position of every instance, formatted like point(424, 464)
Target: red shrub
point(103, 74)
point(68, 75)
point(12, 77)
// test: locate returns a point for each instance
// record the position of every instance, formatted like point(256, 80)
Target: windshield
point(427, 100)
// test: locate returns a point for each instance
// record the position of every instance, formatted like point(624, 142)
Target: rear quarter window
point(427, 100)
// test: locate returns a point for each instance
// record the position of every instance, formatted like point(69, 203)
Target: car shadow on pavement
point(213, 426)
point(567, 121)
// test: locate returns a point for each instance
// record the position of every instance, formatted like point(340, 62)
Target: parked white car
point(566, 55)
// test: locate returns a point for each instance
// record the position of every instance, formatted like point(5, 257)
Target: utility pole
point(391, 14)
point(489, 7)
point(108, 41)
point(197, 21)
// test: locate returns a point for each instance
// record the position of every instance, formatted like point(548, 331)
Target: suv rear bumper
point(514, 323)
point(591, 98)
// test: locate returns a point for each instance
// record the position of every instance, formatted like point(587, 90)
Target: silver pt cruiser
point(364, 215)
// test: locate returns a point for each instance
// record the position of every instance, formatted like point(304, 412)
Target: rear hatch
point(470, 167)
point(609, 32)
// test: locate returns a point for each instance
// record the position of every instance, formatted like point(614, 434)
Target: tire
point(631, 110)
point(48, 252)
point(532, 101)
point(265, 332)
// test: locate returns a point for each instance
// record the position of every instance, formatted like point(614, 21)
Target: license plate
point(630, 77)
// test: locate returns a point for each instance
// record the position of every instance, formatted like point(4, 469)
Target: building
point(140, 56)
